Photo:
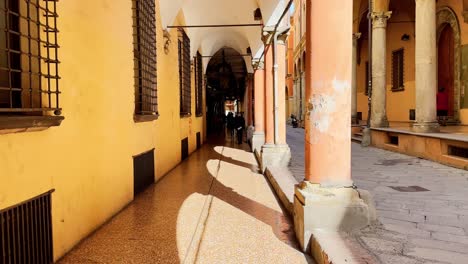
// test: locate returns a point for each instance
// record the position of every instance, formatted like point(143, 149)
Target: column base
point(366, 137)
point(426, 127)
point(330, 210)
point(258, 139)
point(275, 156)
point(354, 120)
point(380, 123)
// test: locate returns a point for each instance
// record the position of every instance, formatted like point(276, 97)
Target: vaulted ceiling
point(210, 40)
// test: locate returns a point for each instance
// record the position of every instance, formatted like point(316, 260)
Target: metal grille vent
point(145, 57)
point(143, 171)
point(29, 57)
point(458, 152)
point(26, 231)
point(184, 73)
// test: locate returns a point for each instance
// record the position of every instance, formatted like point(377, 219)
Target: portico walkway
point(419, 226)
point(213, 208)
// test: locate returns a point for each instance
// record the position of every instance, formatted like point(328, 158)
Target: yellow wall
point(88, 159)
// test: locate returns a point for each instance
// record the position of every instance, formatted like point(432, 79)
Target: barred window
point(199, 85)
point(397, 70)
point(184, 73)
point(146, 100)
point(29, 76)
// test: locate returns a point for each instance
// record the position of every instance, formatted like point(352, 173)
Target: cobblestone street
point(423, 221)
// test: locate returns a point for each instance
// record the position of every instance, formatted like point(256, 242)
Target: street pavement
point(422, 205)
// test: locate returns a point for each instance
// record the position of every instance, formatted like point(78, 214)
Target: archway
point(445, 73)
point(448, 71)
point(226, 83)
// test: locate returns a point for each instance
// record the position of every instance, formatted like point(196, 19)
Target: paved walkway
point(417, 227)
point(212, 208)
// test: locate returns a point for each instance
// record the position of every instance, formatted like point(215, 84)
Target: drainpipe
point(369, 85)
point(366, 133)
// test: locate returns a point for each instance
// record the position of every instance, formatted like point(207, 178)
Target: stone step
point(356, 139)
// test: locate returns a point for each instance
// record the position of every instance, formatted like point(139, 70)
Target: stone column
point(354, 120)
point(379, 69)
point(275, 151)
point(426, 67)
point(281, 63)
point(258, 138)
point(325, 201)
point(269, 110)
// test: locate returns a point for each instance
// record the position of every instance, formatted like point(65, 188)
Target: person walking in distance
point(240, 126)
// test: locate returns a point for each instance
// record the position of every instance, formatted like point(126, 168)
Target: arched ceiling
point(210, 40)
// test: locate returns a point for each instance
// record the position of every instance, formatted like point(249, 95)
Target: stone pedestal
point(275, 156)
point(330, 210)
point(366, 137)
point(258, 140)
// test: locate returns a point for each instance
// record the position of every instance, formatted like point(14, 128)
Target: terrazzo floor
point(213, 208)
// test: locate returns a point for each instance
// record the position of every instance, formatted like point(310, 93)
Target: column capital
point(283, 36)
point(357, 35)
point(379, 19)
point(267, 35)
point(258, 64)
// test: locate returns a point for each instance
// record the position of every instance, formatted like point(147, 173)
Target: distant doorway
point(449, 65)
point(446, 63)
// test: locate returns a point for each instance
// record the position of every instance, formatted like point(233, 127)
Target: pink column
point(250, 112)
point(259, 86)
point(269, 113)
point(281, 61)
point(328, 92)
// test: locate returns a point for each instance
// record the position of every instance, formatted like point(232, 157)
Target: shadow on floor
point(159, 225)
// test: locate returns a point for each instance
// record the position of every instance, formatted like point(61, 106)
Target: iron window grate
point(184, 73)
point(29, 64)
point(456, 151)
point(26, 231)
point(397, 70)
point(146, 100)
point(199, 85)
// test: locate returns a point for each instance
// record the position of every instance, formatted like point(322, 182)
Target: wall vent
point(459, 152)
point(184, 148)
point(26, 231)
point(393, 140)
point(143, 171)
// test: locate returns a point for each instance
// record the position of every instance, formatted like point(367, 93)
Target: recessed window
point(184, 74)
point(199, 85)
point(29, 65)
point(146, 100)
point(397, 70)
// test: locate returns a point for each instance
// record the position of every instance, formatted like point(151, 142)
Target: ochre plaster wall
point(88, 159)
point(399, 103)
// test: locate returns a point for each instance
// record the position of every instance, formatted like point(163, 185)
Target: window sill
point(145, 118)
point(199, 115)
point(398, 90)
point(185, 115)
point(15, 124)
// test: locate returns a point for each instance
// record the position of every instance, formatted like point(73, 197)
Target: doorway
point(446, 72)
